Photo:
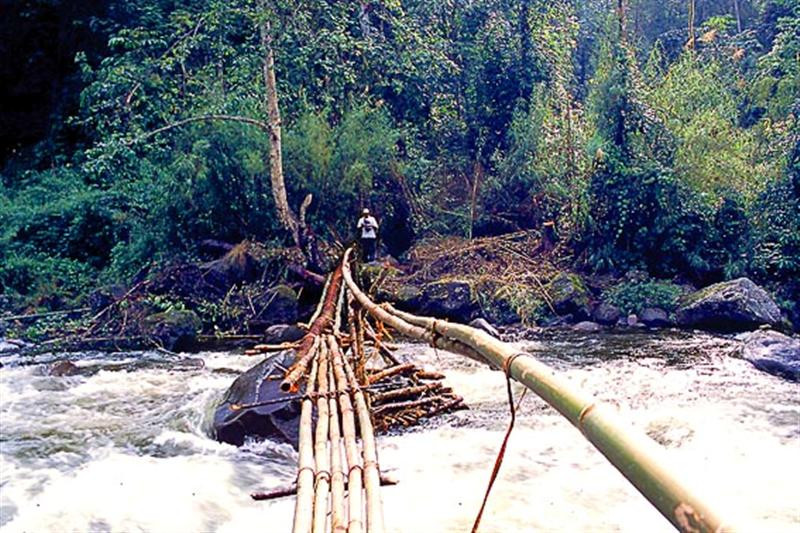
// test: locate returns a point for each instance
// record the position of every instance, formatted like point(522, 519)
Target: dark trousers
point(368, 247)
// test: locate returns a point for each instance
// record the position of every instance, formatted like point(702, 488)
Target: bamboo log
point(275, 347)
point(291, 490)
point(456, 403)
point(638, 458)
point(338, 520)
point(370, 453)
point(406, 405)
point(357, 340)
point(324, 319)
point(354, 524)
point(391, 371)
point(383, 348)
point(405, 392)
point(427, 375)
point(323, 475)
point(304, 506)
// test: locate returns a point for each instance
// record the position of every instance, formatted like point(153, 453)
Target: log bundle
point(353, 386)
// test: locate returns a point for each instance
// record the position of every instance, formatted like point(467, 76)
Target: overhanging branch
point(202, 118)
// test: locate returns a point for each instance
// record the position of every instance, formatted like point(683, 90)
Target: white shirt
point(368, 225)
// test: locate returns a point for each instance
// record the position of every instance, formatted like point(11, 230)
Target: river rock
point(280, 333)
point(8, 346)
point(499, 308)
point(277, 422)
point(406, 298)
point(451, 299)
point(729, 306)
point(62, 368)
point(632, 320)
point(774, 353)
point(569, 296)
point(606, 314)
point(235, 267)
point(102, 297)
point(282, 307)
point(587, 326)
point(655, 317)
point(174, 330)
point(484, 325)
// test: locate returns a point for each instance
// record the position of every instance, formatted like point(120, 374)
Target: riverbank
point(511, 282)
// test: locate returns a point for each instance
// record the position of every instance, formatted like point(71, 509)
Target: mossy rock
point(499, 309)
point(569, 296)
point(451, 299)
point(735, 305)
point(405, 297)
point(370, 273)
point(282, 308)
point(174, 330)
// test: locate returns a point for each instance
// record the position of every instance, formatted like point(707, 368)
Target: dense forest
point(659, 137)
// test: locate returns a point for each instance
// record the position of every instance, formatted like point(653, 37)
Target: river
point(122, 446)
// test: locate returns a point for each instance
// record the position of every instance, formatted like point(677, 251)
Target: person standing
point(369, 234)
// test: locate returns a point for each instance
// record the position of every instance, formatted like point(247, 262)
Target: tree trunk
point(692, 11)
point(738, 16)
point(285, 214)
point(477, 174)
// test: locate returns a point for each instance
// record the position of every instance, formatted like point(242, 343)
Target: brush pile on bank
point(235, 297)
point(504, 278)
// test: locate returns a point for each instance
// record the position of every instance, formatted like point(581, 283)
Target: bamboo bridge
point(338, 485)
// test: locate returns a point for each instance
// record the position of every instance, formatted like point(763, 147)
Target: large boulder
point(102, 297)
point(281, 305)
point(174, 330)
point(63, 368)
point(483, 324)
point(569, 296)
point(773, 352)
point(499, 308)
point(276, 421)
point(587, 326)
point(655, 317)
point(9, 346)
point(280, 333)
point(451, 299)
point(405, 297)
point(235, 267)
point(606, 314)
point(736, 305)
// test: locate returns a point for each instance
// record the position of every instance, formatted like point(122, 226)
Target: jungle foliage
point(647, 150)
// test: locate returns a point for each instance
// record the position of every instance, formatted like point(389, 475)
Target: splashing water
point(123, 446)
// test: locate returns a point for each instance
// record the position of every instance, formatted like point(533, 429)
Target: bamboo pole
point(324, 319)
point(338, 520)
point(382, 348)
point(354, 524)
point(304, 505)
point(323, 474)
point(406, 392)
point(372, 475)
point(638, 458)
point(391, 371)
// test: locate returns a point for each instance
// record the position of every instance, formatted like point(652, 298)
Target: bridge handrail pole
point(637, 457)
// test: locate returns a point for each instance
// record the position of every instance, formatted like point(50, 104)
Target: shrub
point(41, 276)
point(634, 296)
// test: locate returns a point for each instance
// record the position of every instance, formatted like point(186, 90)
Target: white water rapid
point(123, 446)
